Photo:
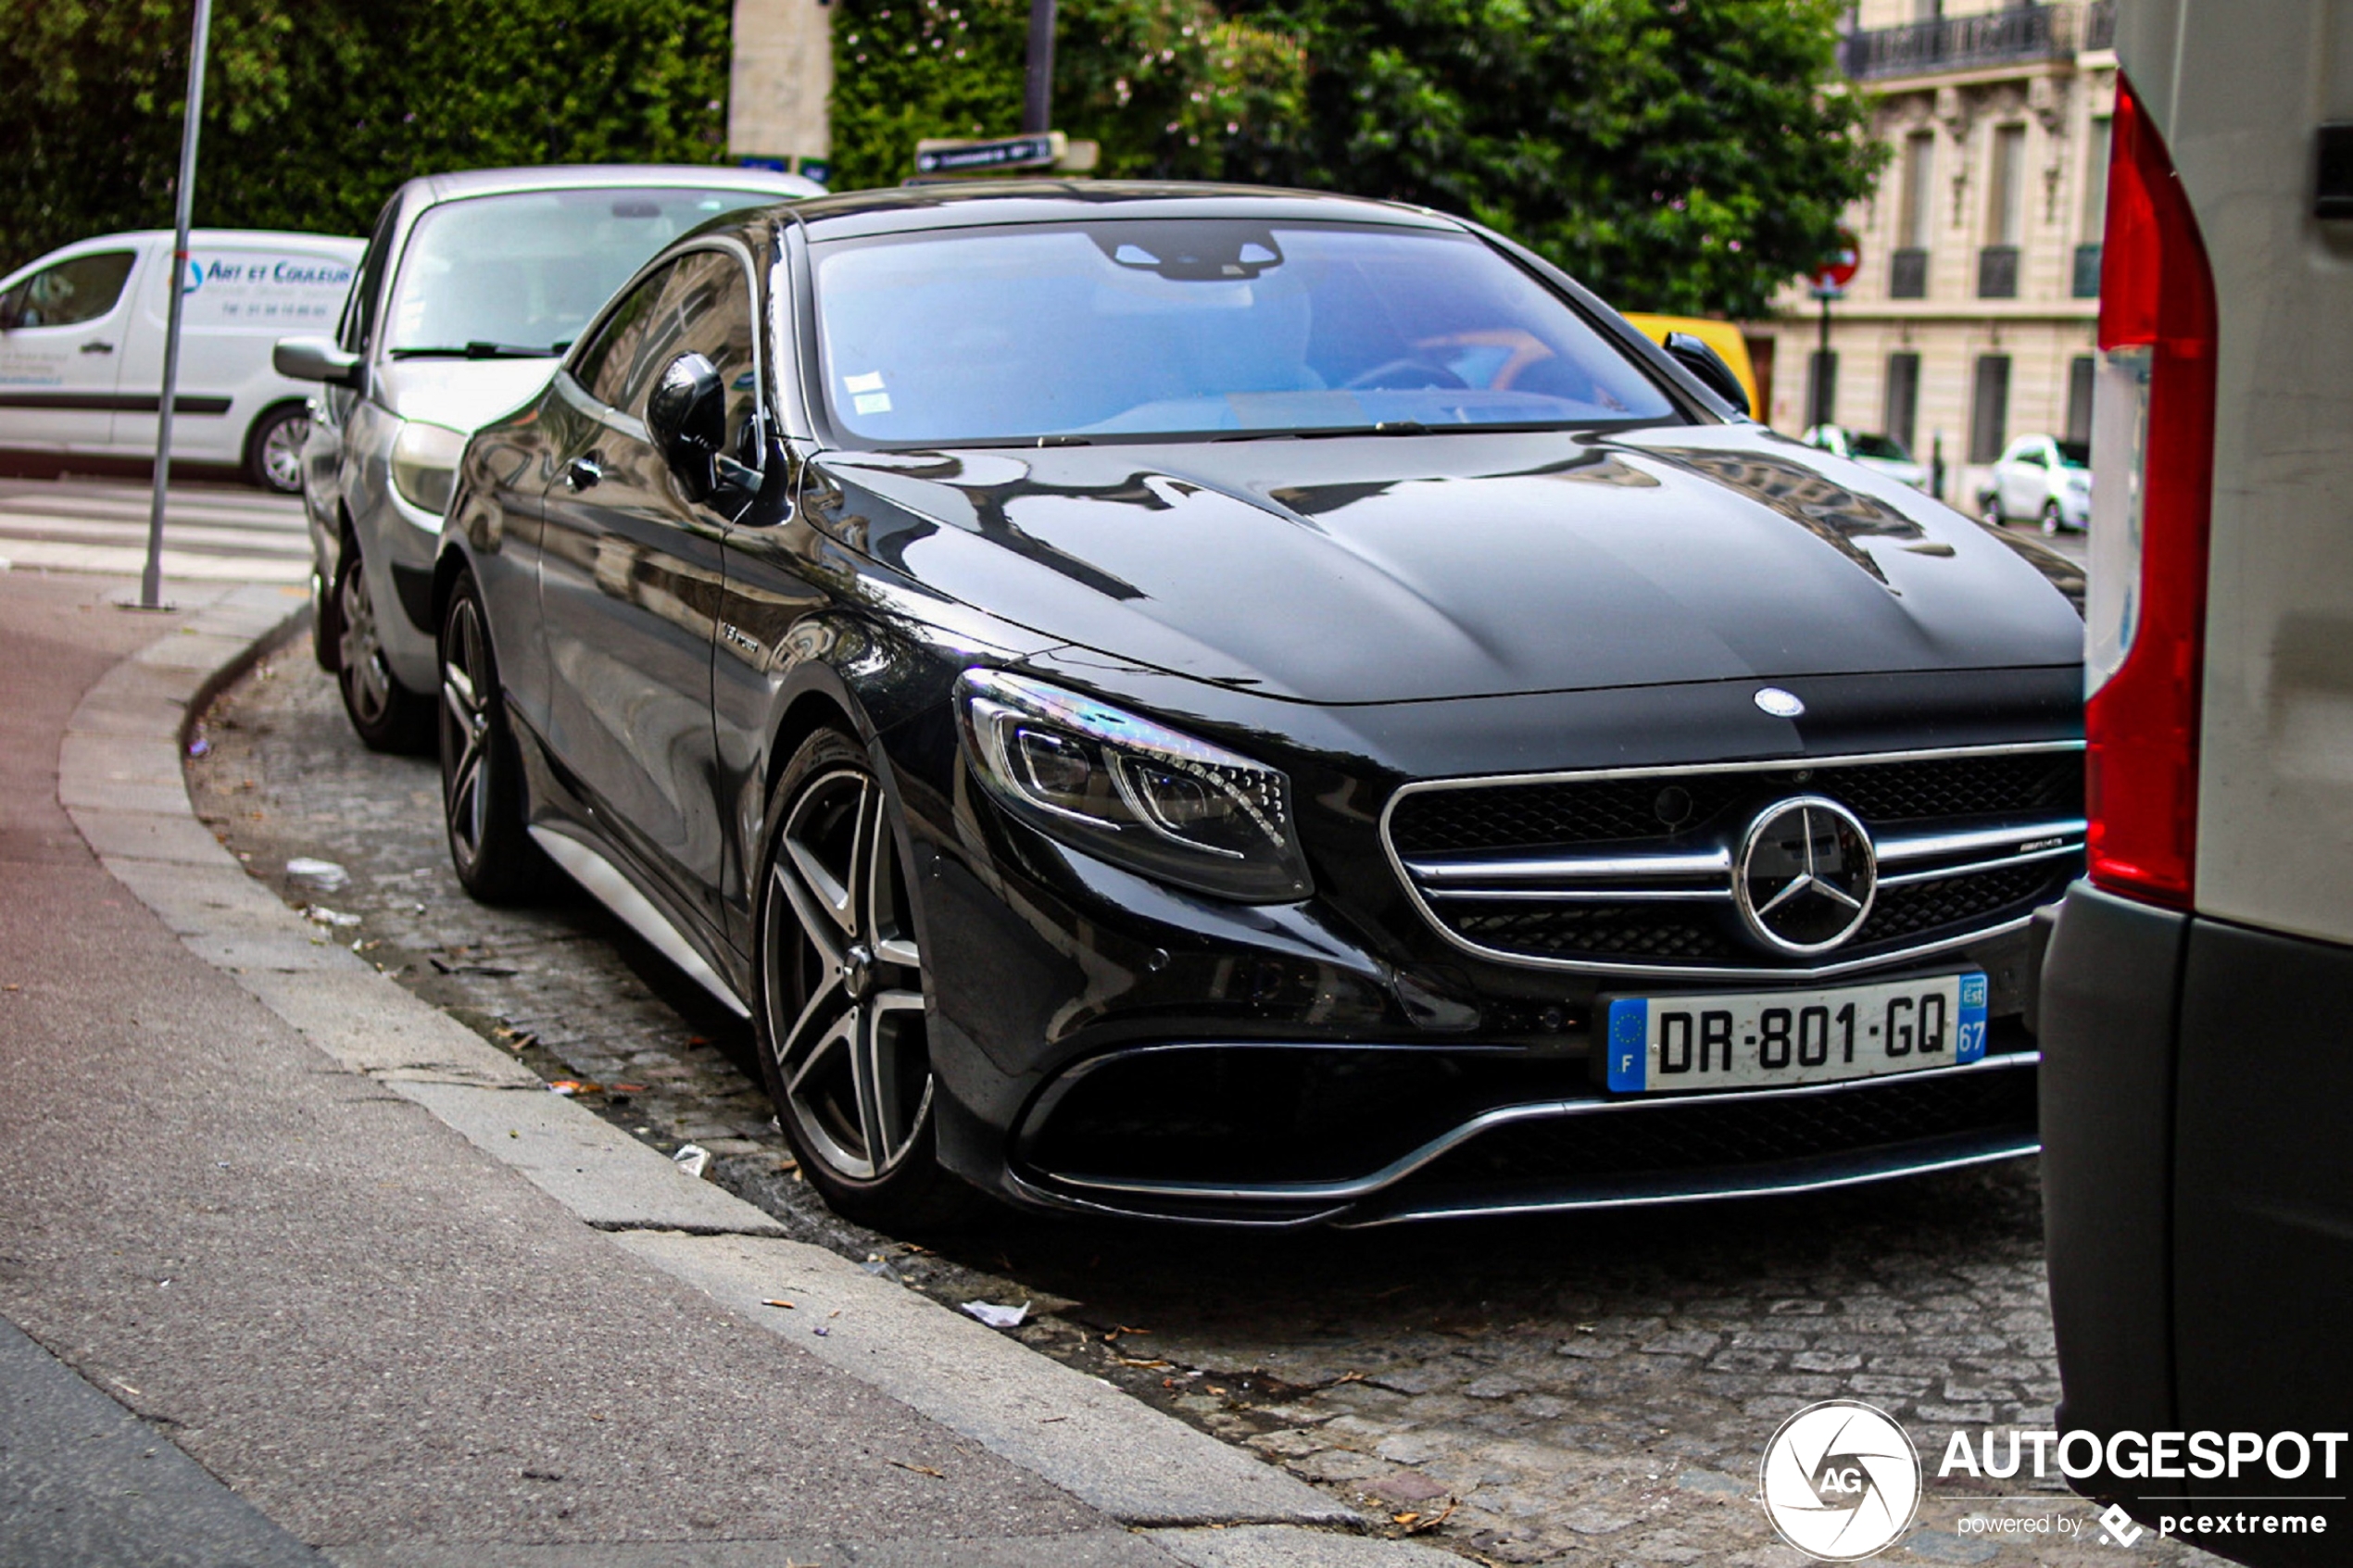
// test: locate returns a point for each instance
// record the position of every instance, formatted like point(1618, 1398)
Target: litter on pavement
point(996, 1316)
point(324, 875)
point(691, 1159)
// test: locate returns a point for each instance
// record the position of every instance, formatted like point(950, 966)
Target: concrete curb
point(121, 780)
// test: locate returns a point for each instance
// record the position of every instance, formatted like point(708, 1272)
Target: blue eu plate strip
point(1629, 1031)
point(1969, 1044)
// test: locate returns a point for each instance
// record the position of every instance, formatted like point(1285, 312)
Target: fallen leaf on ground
point(920, 1470)
point(1432, 1521)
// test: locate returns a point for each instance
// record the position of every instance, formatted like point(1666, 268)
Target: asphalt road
point(1579, 1390)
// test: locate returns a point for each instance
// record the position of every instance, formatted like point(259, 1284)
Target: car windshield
point(522, 273)
point(2074, 454)
point(1885, 447)
point(1188, 327)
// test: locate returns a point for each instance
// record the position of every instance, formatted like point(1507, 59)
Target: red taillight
point(2158, 342)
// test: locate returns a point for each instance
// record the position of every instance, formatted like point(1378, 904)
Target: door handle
point(581, 472)
point(98, 348)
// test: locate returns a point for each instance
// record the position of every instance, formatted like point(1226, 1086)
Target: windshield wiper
point(481, 350)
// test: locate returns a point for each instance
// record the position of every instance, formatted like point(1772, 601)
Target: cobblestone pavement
point(1580, 1391)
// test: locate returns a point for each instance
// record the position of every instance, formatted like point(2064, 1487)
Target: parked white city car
point(473, 285)
point(2041, 479)
point(81, 335)
point(1881, 452)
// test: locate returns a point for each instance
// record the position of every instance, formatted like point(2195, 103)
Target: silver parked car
point(473, 284)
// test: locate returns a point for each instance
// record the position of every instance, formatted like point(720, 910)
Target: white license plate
point(1748, 1040)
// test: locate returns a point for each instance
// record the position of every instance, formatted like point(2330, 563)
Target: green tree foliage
point(1173, 89)
point(316, 109)
point(1685, 155)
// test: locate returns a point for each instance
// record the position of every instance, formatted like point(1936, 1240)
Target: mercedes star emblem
point(1805, 876)
point(1779, 703)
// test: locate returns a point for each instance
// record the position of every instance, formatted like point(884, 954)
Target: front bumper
point(1116, 1047)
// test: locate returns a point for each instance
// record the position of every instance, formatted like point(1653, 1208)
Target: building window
point(2004, 215)
point(2079, 398)
point(2095, 181)
point(1901, 412)
point(1822, 387)
point(2087, 253)
point(1915, 217)
point(1990, 408)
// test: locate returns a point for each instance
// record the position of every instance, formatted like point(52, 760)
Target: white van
point(2197, 994)
point(82, 346)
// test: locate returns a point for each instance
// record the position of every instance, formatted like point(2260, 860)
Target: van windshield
point(1140, 328)
point(493, 276)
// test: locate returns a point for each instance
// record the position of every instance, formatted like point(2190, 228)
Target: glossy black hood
point(1382, 568)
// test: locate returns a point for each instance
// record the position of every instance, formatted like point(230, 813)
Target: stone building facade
point(777, 90)
point(1972, 317)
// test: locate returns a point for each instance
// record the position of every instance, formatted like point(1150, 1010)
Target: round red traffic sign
point(1838, 268)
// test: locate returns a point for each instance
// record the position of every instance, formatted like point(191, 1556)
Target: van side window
point(73, 292)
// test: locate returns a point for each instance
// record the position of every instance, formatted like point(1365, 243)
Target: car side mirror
point(1695, 355)
point(686, 417)
point(316, 359)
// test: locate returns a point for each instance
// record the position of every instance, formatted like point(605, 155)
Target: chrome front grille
point(1633, 867)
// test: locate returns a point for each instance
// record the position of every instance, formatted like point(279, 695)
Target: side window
point(2033, 457)
point(604, 365)
point(710, 302)
point(73, 292)
point(700, 303)
point(359, 325)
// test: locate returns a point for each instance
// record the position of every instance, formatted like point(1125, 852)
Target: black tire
point(482, 795)
point(385, 715)
point(273, 449)
point(839, 1002)
point(1989, 507)
point(2054, 520)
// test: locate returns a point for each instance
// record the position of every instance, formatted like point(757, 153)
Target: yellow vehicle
point(1721, 336)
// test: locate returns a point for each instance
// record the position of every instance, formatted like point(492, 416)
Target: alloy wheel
point(465, 730)
point(367, 678)
point(282, 453)
point(844, 981)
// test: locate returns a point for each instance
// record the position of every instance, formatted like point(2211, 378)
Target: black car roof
point(855, 214)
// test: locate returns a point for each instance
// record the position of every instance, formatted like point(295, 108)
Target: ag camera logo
point(1840, 1481)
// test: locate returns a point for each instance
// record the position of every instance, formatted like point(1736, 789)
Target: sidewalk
point(292, 1254)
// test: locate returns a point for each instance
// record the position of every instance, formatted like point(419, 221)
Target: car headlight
point(424, 464)
point(1172, 808)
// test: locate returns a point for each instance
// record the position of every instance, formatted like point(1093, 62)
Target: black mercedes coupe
point(1251, 706)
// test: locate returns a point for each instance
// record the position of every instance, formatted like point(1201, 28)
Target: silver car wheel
point(282, 453)
point(367, 678)
point(853, 1055)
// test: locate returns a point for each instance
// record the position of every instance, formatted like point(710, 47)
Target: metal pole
point(1037, 82)
point(1822, 366)
point(151, 581)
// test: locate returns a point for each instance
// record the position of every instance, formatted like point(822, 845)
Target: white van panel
point(2276, 787)
point(58, 385)
point(240, 300)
